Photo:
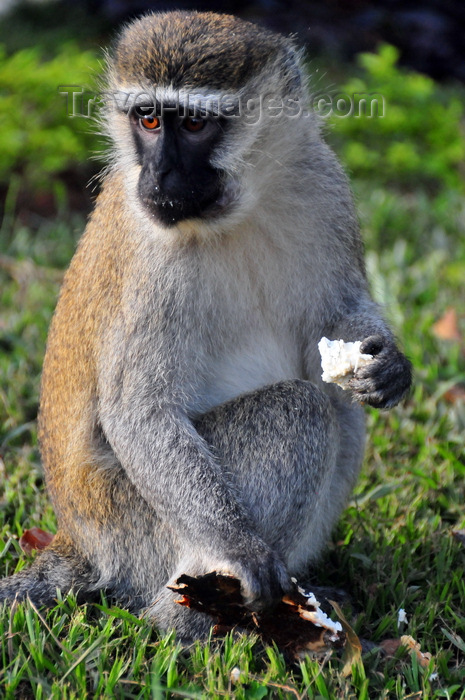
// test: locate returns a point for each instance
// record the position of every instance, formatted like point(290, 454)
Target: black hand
point(263, 576)
point(385, 381)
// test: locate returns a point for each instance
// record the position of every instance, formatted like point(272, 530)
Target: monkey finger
point(265, 582)
point(373, 345)
point(378, 395)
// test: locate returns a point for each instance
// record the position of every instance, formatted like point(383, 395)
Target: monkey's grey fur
point(184, 425)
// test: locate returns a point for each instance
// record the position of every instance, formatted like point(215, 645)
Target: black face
point(177, 181)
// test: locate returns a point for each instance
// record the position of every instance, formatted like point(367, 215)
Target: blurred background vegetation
point(417, 145)
point(393, 547)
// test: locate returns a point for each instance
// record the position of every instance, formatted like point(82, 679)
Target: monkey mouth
point(170, 211)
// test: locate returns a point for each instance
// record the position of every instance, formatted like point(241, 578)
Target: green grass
point(393, 547)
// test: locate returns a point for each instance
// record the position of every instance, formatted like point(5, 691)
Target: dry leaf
point(447, 327)
point(412, 645)
point(455, 394)
point(296, 624)
point(390, 646)
point(353, 648)
point(35, 538)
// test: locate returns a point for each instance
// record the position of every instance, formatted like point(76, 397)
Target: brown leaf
point(390, 646)
point(353, 647)
point(455, 394)
point(447, 327)
point(35, 538)
point(413, 646)
point(295, 624)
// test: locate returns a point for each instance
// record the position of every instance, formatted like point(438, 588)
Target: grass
point(392, 549)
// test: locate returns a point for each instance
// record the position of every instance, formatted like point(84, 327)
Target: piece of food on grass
point(340, 360)
point(296, 624)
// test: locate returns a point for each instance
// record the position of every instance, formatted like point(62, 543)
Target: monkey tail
point(60, 566)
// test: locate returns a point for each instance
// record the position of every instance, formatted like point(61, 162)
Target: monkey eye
point(150, 123)
point(194, 124)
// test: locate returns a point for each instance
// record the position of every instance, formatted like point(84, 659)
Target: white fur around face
point(252, 149)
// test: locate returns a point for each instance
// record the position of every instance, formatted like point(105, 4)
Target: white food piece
point(340, 360)
point(401, 617)
point(235, 674)
point(317, 616)
point(320, 619)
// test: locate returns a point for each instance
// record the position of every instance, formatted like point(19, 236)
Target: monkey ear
point(292, 68)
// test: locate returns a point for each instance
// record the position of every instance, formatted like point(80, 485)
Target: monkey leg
point(58, 567)
point(291, 456)
point(116, 544)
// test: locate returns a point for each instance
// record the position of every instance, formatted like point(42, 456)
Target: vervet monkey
point(183, 424)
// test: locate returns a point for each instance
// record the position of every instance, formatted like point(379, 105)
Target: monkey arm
point(175, 473)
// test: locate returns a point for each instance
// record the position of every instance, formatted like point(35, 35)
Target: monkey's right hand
point(263, 576)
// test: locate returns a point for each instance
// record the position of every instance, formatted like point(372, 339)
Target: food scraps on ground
point(296, 624)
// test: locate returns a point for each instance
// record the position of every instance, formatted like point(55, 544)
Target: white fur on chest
point(262, 360)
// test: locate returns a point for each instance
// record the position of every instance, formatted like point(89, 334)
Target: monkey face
point(174, 148)
point(189, 133)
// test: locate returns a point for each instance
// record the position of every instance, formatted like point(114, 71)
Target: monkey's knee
point(278, 447)
point(276, 422)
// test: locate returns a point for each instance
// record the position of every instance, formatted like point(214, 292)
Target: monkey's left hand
point(383, 382)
